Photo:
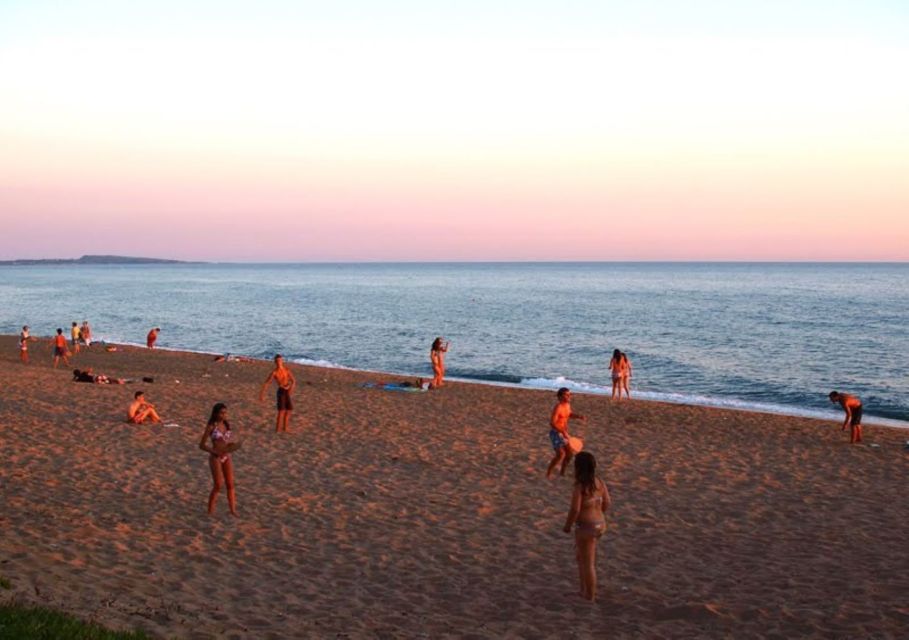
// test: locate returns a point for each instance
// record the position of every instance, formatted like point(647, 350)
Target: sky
point(420, 130)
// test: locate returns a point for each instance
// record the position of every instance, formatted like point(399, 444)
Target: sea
point(772, 337)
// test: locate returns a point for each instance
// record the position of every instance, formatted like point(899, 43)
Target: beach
point(399, 515)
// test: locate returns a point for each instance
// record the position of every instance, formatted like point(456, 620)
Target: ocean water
point(764, 336)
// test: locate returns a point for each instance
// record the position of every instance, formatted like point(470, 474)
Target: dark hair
point(585, 472)
point(215, 410)
point(561, 392)
point(833, 395)
point(59, 330)
point(138, 393)
point(277, 355)
point(74, 324)
point(436, 344)
point(76, 373)
point(616, 354)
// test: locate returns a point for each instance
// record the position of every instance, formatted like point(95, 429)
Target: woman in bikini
point(626, 376)
point(616, 365)
point(589, 503)
point(217, 441)
point(437, 357)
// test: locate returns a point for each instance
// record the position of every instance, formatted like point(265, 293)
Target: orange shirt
point(60, 341)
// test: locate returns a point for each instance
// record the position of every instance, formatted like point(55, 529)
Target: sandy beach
point(407, 515)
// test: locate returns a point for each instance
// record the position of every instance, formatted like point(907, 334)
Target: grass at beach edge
point(40, 623)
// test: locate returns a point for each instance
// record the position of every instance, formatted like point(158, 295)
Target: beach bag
point(575, 445)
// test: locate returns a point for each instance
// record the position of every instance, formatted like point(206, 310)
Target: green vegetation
point(5, 583)
point(38, 623)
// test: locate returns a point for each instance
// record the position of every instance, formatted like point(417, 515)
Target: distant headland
point(91, 260)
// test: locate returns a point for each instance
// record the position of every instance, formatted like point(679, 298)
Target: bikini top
point(217, 434)
point(595, 500)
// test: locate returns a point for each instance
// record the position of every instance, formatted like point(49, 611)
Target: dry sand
point(401, 515)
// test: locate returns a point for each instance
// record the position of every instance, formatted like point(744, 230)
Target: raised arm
point(574, 510)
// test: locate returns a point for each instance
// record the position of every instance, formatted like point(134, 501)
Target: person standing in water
point(852, 405)
point(589, 502)
point(217, 440)
point(152, 337)
point(286, 383)
point(616, 367)
point(437, 358)
point(626, 376)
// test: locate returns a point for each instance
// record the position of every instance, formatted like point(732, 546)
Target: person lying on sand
point(852, 405)
point(88, 375)
point(228, 357)
point(558, 431)
point(141, 410)
point(589, 502)
point(217, 441)
point(419, 383)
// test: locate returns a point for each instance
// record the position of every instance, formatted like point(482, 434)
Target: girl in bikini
point(437, 358)
point(617, 367)
point(217, 441)
point(589, 503)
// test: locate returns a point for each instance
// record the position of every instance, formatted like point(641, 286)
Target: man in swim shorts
point(60, 349)
point(140, 410)
point(558, 431)
point(152, 337)
point(286, 383)
point(852, 405)
point(75, 332)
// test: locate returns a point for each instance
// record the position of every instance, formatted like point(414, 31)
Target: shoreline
point(541, 384)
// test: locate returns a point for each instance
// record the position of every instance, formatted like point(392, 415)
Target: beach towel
point(392, 386)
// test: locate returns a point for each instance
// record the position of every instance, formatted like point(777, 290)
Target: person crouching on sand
point(589, 502)
point(140, 410)
point(286, 383)
point(852, 405)
point(217, 441)
point(558, 431)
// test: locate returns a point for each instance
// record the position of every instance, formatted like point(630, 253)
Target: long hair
point(215, 410)
point(616, 355)
point(585, 472)
point(436, 344)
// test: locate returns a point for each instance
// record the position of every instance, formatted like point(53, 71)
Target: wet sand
point(401, 515)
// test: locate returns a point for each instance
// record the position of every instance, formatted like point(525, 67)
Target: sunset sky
point(417, 130)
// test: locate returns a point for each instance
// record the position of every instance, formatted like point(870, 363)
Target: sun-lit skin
point(299, 131)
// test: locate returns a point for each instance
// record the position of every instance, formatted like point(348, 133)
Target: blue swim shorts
point(556, 439)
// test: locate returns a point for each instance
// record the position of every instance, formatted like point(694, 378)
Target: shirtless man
point(286, 383)
point(152, 337)
point(852, 405)
point(60, 349)
point(139, 410)
point(85, 334)
point(558, 432)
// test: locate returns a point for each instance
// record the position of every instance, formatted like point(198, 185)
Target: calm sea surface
point(775, 337)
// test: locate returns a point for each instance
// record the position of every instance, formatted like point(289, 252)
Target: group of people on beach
point(80, 336)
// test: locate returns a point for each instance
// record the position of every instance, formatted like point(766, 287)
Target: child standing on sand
point(60, 349)
point(558, 431)
point(589, 502)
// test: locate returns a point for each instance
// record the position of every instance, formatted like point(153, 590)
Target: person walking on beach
point(24, 339)
point(286, 383)
point(74, 333)
point(60, 349)
point(217, 440)
point(437, 358)
point(558, 431)
point(141, 410)
point(617, 367)
point(589, 502)
point(152, 337)
point(852, 405)
point(626, 376)
point(85, 334)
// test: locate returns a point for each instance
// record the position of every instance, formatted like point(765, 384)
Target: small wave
point(309, 362)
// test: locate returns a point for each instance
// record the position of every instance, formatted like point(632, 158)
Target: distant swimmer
point(75, 332)
point(589, 502)
point(286, 383)
point(141, 410)
point(558, 431)
point(24, 338)
point(437, 358)
point(152, 337)
point(852, 405)
point(218, 441)
point(60, 349)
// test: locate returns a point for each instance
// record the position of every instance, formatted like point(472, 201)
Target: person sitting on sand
point(437, 358)
point(286, 383)
point(589, 502)
point(140, 410)
point(24, 339)
point(74, 333)
point(217, 441)
point(152, 337)
point(60, 349)
point(852, 405)
point(558, 431)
